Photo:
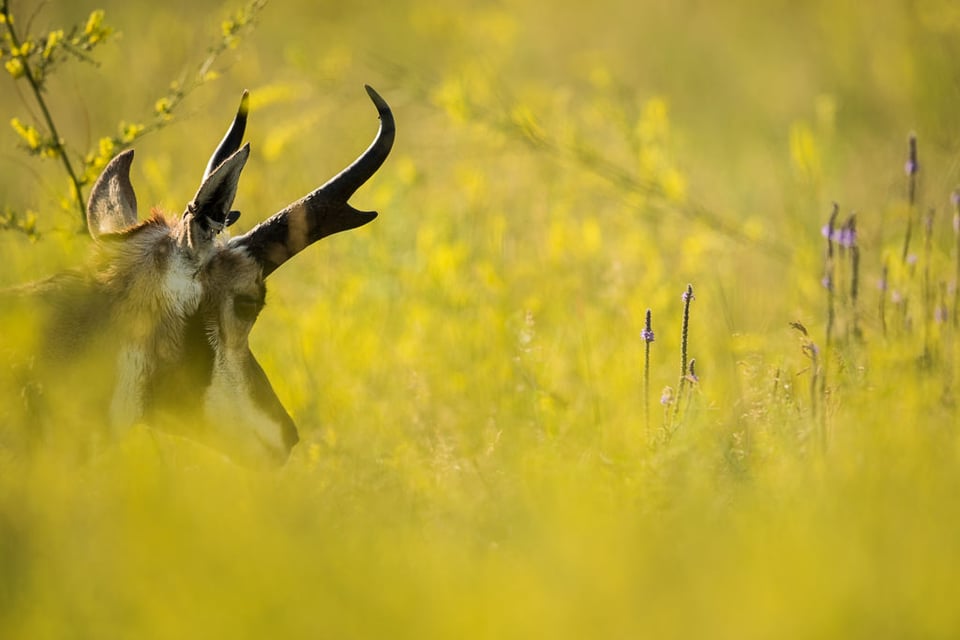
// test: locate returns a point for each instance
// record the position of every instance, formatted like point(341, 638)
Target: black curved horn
point(324, 211)
point(233, 138)
point(346, 183)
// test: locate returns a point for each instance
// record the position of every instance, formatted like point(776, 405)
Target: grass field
point(483, 454)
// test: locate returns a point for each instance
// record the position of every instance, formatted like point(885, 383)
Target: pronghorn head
point(183, 297)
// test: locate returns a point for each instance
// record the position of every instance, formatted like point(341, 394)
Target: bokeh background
point(467, 372)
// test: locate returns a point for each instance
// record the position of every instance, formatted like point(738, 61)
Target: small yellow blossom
point(95, 31)
point(130, 131)
point(54, 38)
point(94, 21)
point(229, 28)
point(28, 133)
point(14, 67)
point(674, 185)
point(162, 106)
point(106, 147)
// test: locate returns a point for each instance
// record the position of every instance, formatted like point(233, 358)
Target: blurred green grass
point(466, 371)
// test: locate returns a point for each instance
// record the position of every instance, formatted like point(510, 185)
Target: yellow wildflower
point(14, 67)
point(162, 106)
point(28, 133)
point(94, 22)
point(130, 131)
point(106, 147)
point(53, 39)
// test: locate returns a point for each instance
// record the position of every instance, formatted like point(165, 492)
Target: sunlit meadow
point(492, 446)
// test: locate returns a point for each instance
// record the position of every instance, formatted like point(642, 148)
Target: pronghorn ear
point(112, 206)
point(212, 204)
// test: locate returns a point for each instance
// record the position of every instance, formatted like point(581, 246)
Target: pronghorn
point(160, 321)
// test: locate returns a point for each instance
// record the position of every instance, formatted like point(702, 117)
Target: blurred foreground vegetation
point(468, 371)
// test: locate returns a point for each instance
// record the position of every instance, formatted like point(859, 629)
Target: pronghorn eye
point(247, 307)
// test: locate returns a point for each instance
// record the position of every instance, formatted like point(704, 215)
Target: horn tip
point(361, 218)
point(380, 103)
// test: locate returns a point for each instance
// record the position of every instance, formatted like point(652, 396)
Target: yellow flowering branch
point(19, 66)
point(232, 29)
point(33, 59)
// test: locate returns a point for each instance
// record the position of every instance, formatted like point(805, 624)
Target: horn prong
point(232, 139)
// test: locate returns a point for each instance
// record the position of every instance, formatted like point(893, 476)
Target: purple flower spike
point(666, 398)
point(647, 335)
point(912, 165)
point(955, 198)
point(847, 237)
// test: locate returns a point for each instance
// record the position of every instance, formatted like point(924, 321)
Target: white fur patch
point(228, 404)
point(126, 405)
point(181, 286)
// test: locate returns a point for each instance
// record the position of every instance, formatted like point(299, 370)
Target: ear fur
point(215, 196)
point(112, 206)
